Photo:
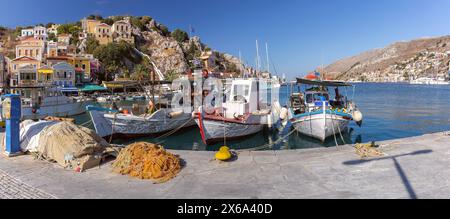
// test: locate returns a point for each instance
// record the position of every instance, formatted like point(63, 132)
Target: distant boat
point(41, 102)
point(314, 114)
point(430, 81)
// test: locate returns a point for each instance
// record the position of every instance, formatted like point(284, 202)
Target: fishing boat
point(241, 115)
point(41, 102)
point(313, 113)
point(110, 123)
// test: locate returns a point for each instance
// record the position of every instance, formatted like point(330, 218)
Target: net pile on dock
point(71, 146)
point(368, 150)
point(147, 161)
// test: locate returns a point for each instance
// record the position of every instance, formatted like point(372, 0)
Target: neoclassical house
point(27, 76)
point(103, 34)
point(31, 47)
point(63, 75)
point(122, 31)
point(19, 63)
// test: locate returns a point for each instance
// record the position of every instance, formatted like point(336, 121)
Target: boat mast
point(258, 60)
point(267, 54)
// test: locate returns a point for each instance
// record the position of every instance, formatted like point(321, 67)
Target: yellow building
point(82, 63)
point(45, 76)
point(103, 34)
point(89, 25)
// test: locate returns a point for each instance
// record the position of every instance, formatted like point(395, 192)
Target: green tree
point(136, 21)
point(146, 20)
point(52, 37)
point(164, 30)
point(141, 72)
point(180, 36)
point(114, 55)
point(91, 44)
point(171, 75)
point(108, 21)
point(49, 25)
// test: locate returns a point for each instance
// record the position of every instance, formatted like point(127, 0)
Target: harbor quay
point(411, 168)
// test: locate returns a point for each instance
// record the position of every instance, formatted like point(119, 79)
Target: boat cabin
point(243, 98)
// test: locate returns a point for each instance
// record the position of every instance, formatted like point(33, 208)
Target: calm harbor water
point(390, 111)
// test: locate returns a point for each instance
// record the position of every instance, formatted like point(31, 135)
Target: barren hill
point(400, 61)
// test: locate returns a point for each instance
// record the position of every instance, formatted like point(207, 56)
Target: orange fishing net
point(147, 161)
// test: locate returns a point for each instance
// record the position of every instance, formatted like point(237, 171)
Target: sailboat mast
point(267, 54)
point(257, 57)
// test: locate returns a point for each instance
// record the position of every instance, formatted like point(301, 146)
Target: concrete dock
point(417, 167)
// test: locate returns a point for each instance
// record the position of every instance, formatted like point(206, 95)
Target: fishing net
point(368, 150)
point(147, 161)
point(71, 146)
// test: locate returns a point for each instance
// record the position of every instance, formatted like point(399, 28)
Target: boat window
point(242, 90)
point(311, 98)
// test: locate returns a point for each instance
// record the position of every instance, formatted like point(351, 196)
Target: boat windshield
point(313, 97)
point(241, 90)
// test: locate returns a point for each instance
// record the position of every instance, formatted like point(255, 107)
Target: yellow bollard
point(224, 154)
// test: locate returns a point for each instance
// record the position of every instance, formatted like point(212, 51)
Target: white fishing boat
point(314, 114)
point(111, 123)
point(241, 115)
point(41, 102)
point(429, 81)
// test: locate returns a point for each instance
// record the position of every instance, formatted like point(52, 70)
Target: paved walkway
point(11, 188)
point(413, 168)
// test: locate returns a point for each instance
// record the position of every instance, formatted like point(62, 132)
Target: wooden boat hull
point(214, 131)
point(107, 125)
point(321, 126)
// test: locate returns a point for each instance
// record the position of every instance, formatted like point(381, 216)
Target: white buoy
point(358, 117)
point(284, 114)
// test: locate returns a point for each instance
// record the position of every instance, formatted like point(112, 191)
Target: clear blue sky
point(302, 34)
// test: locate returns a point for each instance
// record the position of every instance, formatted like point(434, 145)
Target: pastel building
point(31, 47)
point(64, 38)
point(103, 34)
point(27, 75)
point(40, 33)
point(122, 31)
point(82, 64)
point(52, 49)
point(53, 29)
point(89, 25)
point(45, 76)
point(64, 75)
point(18, 64)
point(27, 32)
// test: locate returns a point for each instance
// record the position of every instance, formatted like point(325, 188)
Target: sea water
point(391, 111)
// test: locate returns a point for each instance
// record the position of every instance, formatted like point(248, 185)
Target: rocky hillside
point(175, 55)
point(172, 52)
point(401, 61)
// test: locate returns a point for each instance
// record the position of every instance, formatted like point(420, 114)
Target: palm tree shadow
point(400, 171)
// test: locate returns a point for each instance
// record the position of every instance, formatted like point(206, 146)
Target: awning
point(92, 88)
point(69, 89)
point(323, 83)
point(45, 71)
point(111, 85)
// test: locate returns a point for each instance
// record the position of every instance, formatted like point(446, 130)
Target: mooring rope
point(175, 130)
